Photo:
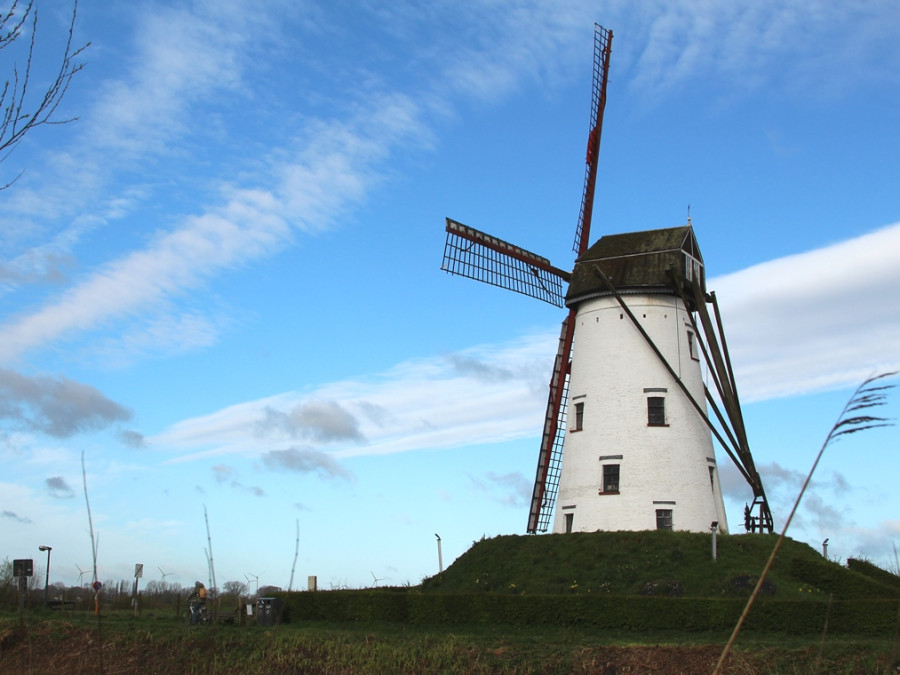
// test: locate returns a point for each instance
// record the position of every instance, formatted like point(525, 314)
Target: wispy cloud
point(329, 165)
point(819, 50)
point(224, 474)
point(806, 323)
point(305, 460)
point(131, 438)
point(324, 421)
point(511, 489)
point(12, 515)
point(243, 228)
point(59, 488)
point(329, 170)
point(179, 58)
point(420, 404)
point(58, 407)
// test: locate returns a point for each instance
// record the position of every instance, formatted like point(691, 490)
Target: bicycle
point(204, 618)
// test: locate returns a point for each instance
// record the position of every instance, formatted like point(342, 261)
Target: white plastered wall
point(614, 370)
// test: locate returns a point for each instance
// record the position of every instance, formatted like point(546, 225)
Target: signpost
point(22, 569)
point(97, 586)
point(138, 573)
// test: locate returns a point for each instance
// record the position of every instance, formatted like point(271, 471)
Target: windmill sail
point(546, 480)
point(471, 253)
point(602, 51)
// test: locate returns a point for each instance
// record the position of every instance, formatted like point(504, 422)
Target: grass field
point(612, 564)
point(81, 644)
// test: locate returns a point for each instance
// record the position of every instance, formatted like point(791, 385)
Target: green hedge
point(866, 568)
point(845, 583)
point(632, 613)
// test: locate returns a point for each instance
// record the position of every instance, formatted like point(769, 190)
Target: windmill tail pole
point(849, 421)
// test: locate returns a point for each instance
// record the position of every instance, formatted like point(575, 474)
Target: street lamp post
point(47, 580)
point(440, 559)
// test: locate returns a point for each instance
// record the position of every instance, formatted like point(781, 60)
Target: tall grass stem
point(851, 420)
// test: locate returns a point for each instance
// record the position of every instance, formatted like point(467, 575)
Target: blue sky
point(222, 283)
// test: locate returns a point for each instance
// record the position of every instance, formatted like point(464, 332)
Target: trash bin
point(268, 611)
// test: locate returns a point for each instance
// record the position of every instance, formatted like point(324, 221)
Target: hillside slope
point(651, 563)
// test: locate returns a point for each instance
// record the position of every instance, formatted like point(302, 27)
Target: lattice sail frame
point(602, 52)
point(549, 465)
point(471, 253)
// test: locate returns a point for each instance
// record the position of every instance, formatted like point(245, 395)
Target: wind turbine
point(164, 574)
point(377, 579)
point(255, 578)
point(81, 574)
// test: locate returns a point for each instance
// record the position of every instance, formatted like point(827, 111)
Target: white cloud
point(331, 168)
point(819, 49)
point(328, 168)
point(422, 404)
point(824, 319)
point(796, 325)
point(171, 265)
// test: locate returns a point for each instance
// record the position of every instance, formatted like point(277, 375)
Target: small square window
point(610, 478)
point(663, 519)
point(656, 411)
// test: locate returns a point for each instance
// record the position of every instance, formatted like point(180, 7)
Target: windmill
point(638, 453)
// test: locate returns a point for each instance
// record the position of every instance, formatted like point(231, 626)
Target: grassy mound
point(651, 563)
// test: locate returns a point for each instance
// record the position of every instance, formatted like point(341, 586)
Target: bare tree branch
point(20, 109)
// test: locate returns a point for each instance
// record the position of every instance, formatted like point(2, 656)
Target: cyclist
point(196, 601)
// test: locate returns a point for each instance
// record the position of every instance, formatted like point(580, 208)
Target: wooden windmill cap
point(638, 262)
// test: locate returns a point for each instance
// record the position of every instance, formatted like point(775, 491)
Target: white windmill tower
point(637, 452)
point(637, 456)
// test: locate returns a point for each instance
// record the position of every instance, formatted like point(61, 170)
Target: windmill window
point(656, 411)
point(569, 518)
point(610, 479)
point(579, 417)
point(712, 478)
point(664, 519)
point(691, 267)
point(692, 345)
